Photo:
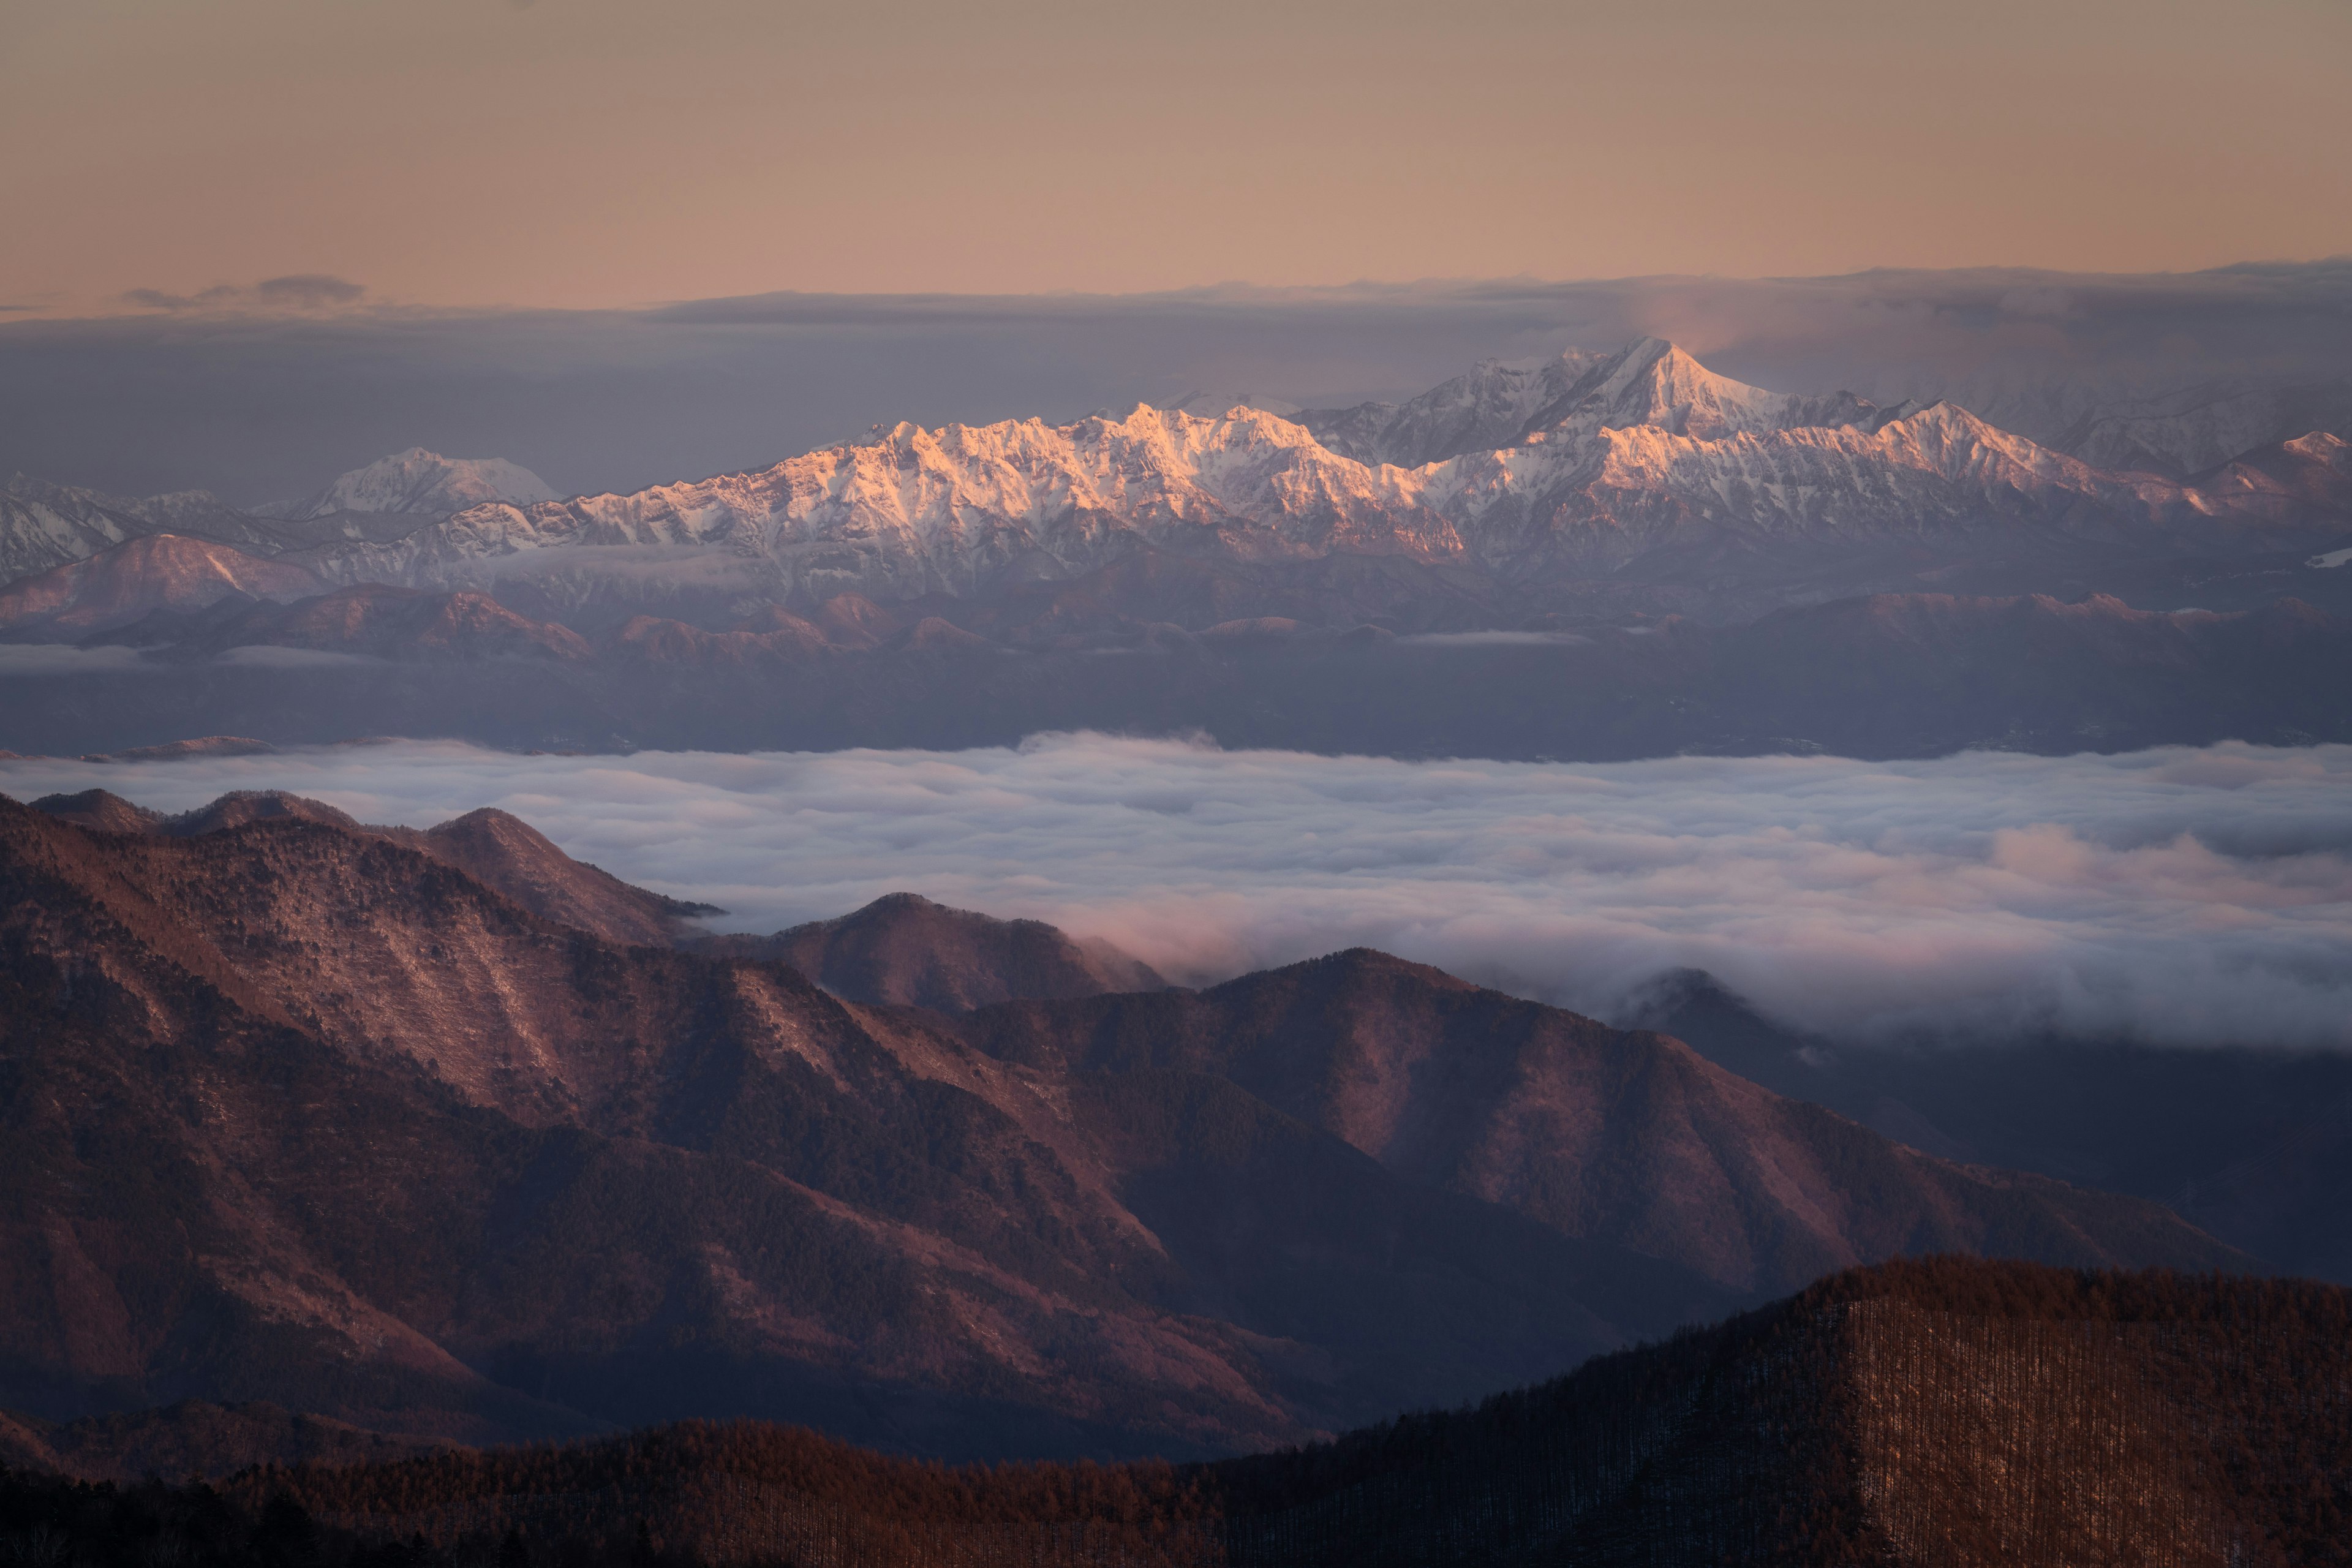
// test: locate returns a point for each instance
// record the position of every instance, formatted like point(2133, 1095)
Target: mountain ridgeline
point(1945, 1412)
point(1594, 556)
point(1589, 485)
point(441, 1136)
point(1644, 470)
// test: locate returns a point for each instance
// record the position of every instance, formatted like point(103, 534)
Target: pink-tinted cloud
point(2179, 896)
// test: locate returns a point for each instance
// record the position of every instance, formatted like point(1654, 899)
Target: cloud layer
point(301, 292)
point(2179, 896)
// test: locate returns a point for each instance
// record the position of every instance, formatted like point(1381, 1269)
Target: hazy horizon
point(590, 153)
point(259, 403)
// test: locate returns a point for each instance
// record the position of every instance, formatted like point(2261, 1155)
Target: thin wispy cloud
point(58, 658)
point(2177, 896)
point(301, 293)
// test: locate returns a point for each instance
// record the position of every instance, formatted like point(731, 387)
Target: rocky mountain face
point(334, 1116)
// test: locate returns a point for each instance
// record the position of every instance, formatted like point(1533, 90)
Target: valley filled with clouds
point(2184, 896)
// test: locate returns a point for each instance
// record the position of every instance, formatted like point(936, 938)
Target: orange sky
point(588, 152)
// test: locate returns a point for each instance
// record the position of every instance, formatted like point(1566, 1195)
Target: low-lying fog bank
point(2182, 896)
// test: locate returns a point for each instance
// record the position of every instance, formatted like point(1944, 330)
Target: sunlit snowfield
point(2179, 895)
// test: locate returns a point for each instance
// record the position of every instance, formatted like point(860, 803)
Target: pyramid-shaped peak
point(1654, 382)
point(1649, 351)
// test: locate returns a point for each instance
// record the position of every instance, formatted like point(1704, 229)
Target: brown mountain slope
point(293, 1111)
point(906, 950)
point(374, 621)
point(1628, 1137)
point(140, 576)
point(504, 852)
point(495, 848)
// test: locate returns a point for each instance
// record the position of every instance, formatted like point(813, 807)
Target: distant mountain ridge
point(1563, 484)
point(44, 526)
point(417, 483)
point(1645, 462)
point(141, 575)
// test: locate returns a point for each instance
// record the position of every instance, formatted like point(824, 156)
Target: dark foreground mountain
point(376, 1126)
point(1945, 1412)
point(1890, 676)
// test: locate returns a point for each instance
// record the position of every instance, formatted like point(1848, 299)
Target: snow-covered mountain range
point(417, 483)
point(1543, 480)
point(2175, 430)
point(1578, 468)
point(44, 526)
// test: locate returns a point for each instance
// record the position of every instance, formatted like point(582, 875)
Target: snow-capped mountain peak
point(1486, 409)
point(1209, 404)
point(420, 483)
point(1655, 383)
point(1644, 454)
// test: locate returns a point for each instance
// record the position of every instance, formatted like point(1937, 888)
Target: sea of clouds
point(2180, 896)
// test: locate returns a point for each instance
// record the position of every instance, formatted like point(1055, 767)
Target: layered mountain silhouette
point(441, 1136)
